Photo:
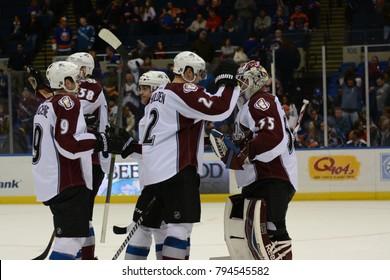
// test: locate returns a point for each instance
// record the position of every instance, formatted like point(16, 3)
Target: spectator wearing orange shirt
point(213, 22)
point(299, 21)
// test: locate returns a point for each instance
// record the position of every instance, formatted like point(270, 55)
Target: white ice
point(321, 230)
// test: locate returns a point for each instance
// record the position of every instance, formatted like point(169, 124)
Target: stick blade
point(110, 38)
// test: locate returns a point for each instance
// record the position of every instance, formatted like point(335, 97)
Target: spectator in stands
point(385, 15)
point(147, 65)
point(132, 96)
point(382, 93)
point(230, 25)
point(85, 36)
point(132, 15)
point(279, 20)
point(27, 108)
point(17, 64)
point(159, 50)
point(287, 59)
point(299, 20)
point(351, 97)
point(179, 21)
point(128, 121)
point(311, 138)
point(292, 109)
point(110, 81)
point(383, 137)
point(140, 50)
point(340, 122)
point(62, 38)
point(48, 14)
point(3, 85)
point(313, 13)
point(204, 48)
point(115, 12)
point(112, 57)
point(356, 140)
point(195, 27)
point(149, 17)
point(17, 32)
point(81, 8)
point(317, 102)
point(250, 43)
point(166, 21)
point(262, 24)
point(171, 9)
point(245, 10)
point(33, 31)
point(213, 22)
point(335, 137)
point(34, 7)
point(227, 50)
point(373, 70)
point(95, 18)
point(240, 56)
point(97, 70)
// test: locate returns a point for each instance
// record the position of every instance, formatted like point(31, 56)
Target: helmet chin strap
point(182, 75)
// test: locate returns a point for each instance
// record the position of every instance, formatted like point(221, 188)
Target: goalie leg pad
point(246, 234)
point(234, 226)
point(259, 242)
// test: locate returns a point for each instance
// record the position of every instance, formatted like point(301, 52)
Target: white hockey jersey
point(172, 129)
point(93, 101)
point(272, 148)
point(62, 148)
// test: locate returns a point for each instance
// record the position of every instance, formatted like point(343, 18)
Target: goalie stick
point(135, 227)
point(47, 250)
point(107, 36)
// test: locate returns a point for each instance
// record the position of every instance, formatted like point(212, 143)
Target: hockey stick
point(47, 250)
point(120, 230)
point(114, 42)
point(300, 117)
point(135, 227)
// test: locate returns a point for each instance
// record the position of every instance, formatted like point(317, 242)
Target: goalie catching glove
point(233, 155)
point(225, 73)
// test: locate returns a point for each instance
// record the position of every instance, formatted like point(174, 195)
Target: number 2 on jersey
point(149, 138)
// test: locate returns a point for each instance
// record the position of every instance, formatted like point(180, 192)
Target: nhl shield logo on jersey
point(188, 87)
point(262, 104)
point(177, 215)
point(66, 102)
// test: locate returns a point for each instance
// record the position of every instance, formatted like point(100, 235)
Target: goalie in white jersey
point(171, 134)
point(61, 160)
point(266, 170)
point(95, 111)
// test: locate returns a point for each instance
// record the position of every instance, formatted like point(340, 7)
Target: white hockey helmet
point(83, 59)
point(252, 76)
point(153, 79)
point(189, 59)
point(58, 71)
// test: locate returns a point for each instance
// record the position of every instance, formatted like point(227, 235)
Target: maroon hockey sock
point(88, 253)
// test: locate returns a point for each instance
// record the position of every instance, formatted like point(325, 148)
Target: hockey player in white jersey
point(139, 245)
point(266, 171)
point(95, 111)
point(171, 134)
point(61, 158)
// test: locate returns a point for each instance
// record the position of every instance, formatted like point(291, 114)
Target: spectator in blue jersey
point(85, 36)
point(62, 38)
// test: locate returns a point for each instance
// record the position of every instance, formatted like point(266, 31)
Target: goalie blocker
point(245, 231)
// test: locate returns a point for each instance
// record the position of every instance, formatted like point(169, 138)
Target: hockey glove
point(129, 145)
point(106, 144)
point(225, 73)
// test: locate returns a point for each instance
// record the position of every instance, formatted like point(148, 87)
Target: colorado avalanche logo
point(66, 102)
point(188, 87)
point(262, 104)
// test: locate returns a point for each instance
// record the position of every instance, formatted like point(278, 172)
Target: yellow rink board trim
point(223, 197)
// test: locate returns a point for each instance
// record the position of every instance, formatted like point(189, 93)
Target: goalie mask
point(83, 59)
point(189, 59)
point(58, 71)
point(252, 77)
point(153, 79)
